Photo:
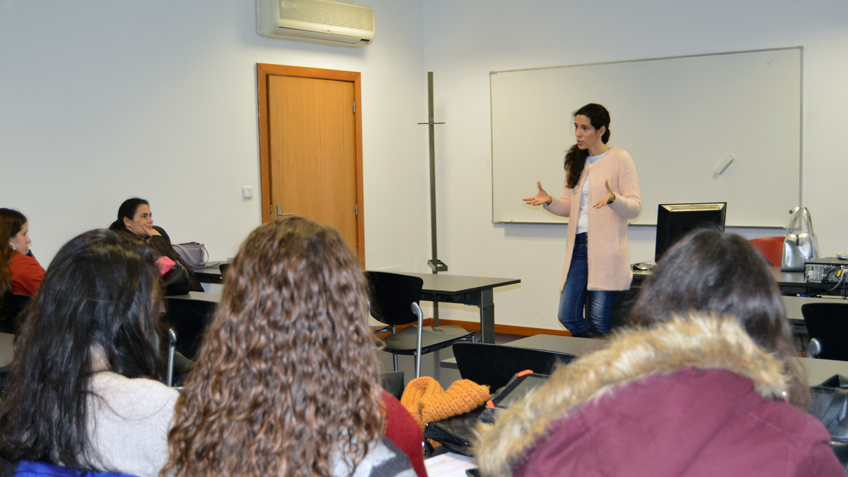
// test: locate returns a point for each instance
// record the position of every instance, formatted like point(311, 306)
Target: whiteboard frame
point(648, 217)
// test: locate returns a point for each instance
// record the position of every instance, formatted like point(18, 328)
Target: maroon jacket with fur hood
point(687, 398)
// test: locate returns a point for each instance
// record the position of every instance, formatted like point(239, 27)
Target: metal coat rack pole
point(436, 265)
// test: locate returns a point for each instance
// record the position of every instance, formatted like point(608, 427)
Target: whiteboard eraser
point(721, 167)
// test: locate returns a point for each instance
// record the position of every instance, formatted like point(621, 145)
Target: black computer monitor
point(676, 220)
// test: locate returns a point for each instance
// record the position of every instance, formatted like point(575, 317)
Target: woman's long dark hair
point(127, 209)
point(712, 272)
point(11, 222)
point(100, 292)
point(575, 159)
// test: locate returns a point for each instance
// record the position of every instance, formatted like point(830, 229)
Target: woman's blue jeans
point(573, 297)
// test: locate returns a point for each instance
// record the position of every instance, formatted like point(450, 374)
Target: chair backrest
point(392, 295)
point(828, 323)
point(494, 365)
point(189, 319)
point(13, 305)
point(770, 247)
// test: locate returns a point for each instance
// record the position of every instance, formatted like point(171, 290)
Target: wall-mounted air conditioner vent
point(319, 21)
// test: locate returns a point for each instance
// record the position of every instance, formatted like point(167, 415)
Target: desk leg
point(485, 299)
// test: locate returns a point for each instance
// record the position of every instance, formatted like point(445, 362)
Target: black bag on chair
point(457, 432)
point(829, 404)
point(176, 281)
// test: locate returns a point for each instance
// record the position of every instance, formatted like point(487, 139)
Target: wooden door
point(311, 148)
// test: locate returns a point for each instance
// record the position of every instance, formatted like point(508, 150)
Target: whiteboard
point(679, 118)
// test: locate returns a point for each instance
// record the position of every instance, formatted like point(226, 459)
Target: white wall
point(101, 100)
point(468, 39)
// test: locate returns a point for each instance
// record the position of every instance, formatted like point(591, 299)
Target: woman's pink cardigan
point(609, 251)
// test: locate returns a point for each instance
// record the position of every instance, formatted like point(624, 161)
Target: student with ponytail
point(601, 195)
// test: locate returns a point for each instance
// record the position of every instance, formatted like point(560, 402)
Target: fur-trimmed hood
point(700, 342)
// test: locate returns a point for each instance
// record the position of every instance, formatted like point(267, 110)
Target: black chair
point(392, 382)
point(10, 312)
point(827, 325)
point(394, 302)
point(494, 365)
point(189, 319)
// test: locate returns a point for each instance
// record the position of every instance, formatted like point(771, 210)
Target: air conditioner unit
point(318, 21)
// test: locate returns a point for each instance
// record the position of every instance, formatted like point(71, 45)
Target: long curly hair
point(287, 379)
point(99, 293)
point(11, 222)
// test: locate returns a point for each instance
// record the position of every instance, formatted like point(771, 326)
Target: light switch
point(247, 192)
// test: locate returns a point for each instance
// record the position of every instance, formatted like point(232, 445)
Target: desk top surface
point(793, 305)
point(787, 278)
point(201, 296)
point(816, 370)
point(443, 284)
point(440, 284)
point(782, 278)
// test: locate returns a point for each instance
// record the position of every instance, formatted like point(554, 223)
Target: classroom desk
point(816, 370)
point(793, 308)
point(196, 295)
point(790, 283)
point(793, 283)
point(211, 273)
point(473, 291)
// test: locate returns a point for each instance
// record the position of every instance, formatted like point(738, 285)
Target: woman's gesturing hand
point(608, 199)
point(539, 199)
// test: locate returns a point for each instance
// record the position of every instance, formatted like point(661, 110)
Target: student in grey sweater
point(83, 390)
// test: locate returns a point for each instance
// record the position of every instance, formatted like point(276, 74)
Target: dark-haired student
point(20, 272)
point(83, 390)
point(601, 195)
point(704, 384)
point(135, 222)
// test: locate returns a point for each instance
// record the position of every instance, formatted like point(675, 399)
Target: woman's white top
point(128, 423)
point(583, 216)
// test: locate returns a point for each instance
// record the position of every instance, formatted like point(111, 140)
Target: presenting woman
point(20, 272)
point(135, 222)
point(601, 195)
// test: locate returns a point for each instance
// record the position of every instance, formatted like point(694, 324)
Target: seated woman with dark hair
point(20, 272)
point(82, 390)
point(286, 381)
point(703, 385)
point(135, 222)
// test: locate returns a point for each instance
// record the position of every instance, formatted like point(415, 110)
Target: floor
point(430, 363)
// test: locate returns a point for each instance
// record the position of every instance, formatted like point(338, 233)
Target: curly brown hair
point(287, 377)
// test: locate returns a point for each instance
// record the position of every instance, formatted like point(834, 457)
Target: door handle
point(280, 213)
